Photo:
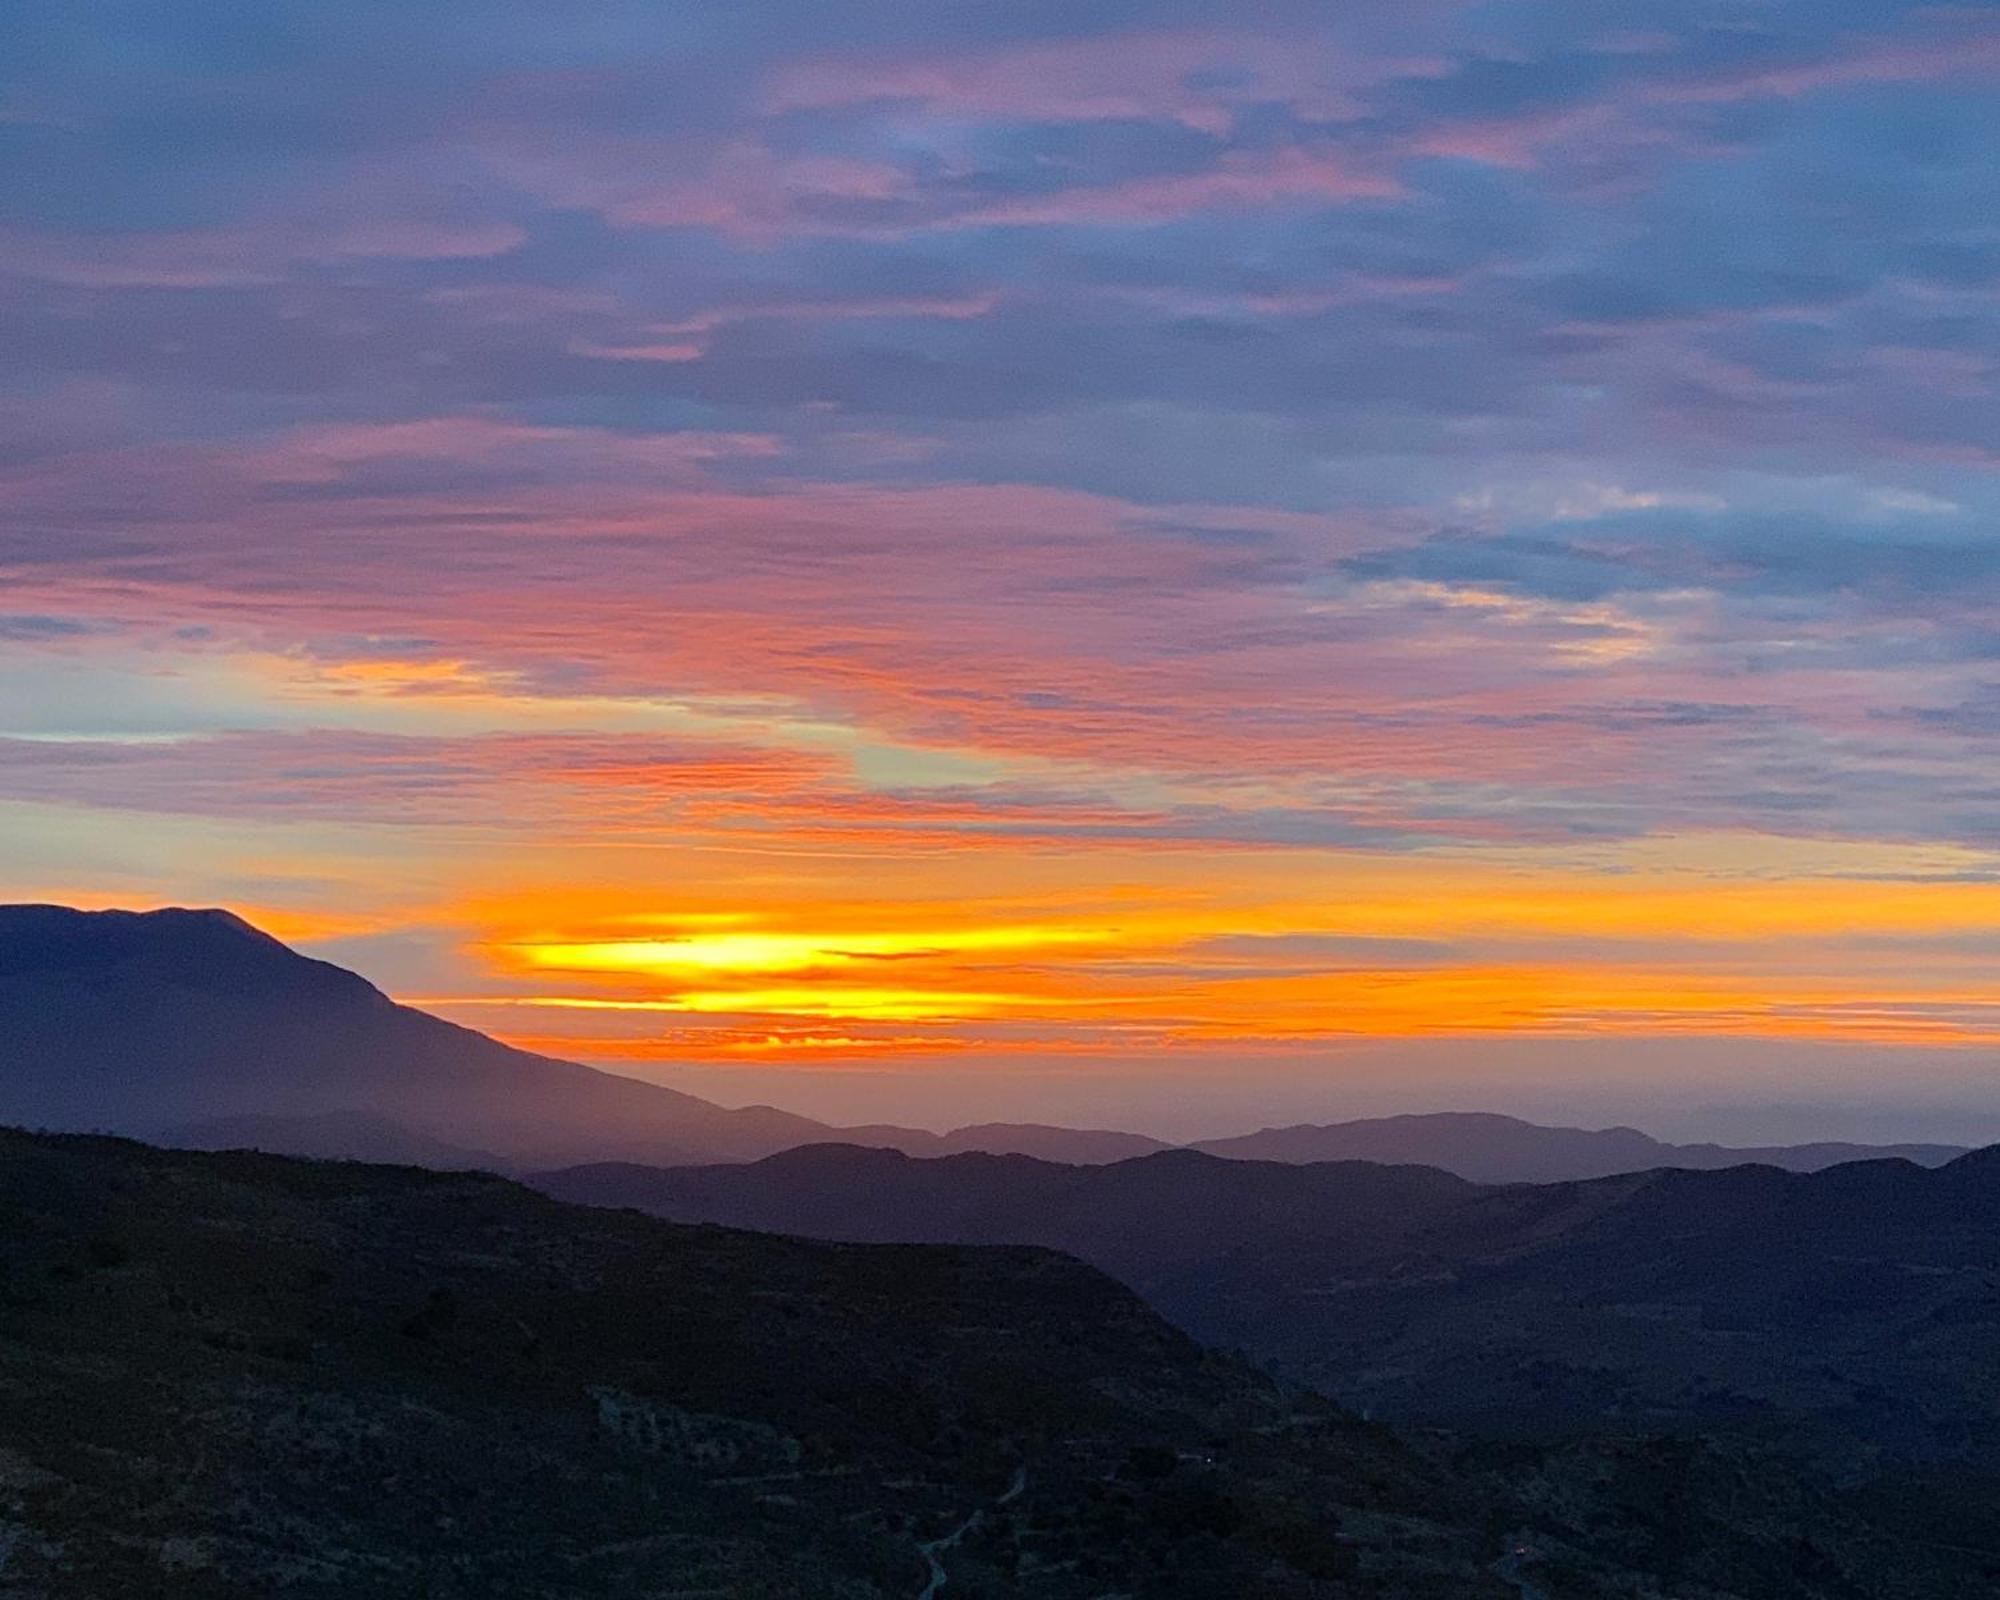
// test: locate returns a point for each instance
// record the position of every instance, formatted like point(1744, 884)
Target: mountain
point(333, 1136)
point(1083, 1146)
point(1853, 1311)
point(1142, 1220)
point(1812, 1356)
point(233, 1375)
point(224, 1376)
point(1857, 1306)
point(141, 1022)
point(1488, 1148)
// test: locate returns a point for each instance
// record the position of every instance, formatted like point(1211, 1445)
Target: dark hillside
point(221, 1375)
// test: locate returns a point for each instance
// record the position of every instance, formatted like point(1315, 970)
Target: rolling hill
point(224, 1376)
point(1142, 1220)
point(1853, 1309)
point(1488, 1148)
point(232, 1375)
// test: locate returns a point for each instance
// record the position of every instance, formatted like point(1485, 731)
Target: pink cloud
point(1194, 672)
point(1618, 120)
point(244, 255)
point(748, 190)
point(1201, 79)
point(359, 220)
point(858, 308)
point(1239, 181)
point(614, 567)
point(686, 338)
point(464, 446)
point(608, 781)
point(1973, 54)
point(1517, 142)
point(751, 194)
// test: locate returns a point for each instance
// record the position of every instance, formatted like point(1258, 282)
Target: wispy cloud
point(1109, 457)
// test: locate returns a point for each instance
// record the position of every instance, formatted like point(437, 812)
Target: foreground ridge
point(221, 1374)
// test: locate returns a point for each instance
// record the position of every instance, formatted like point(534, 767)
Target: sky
point(1174, 564)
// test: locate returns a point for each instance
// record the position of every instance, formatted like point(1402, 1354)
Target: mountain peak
point(53, 938)
point(1981, 1163)
point(834, 1155)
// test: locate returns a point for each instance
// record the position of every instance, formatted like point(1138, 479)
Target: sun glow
point(1273, 952)
point(787, 952)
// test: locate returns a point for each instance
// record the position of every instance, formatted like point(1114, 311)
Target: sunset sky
point(1172, 564)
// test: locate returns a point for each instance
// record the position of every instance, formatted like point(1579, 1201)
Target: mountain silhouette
point(1489, 1148)
point(1855, 1308)
point(234, 1374)
point(227, 1375)
point(334, 1136)
point(142, 1022)
point(1142, 1219)
point(1086, 1146)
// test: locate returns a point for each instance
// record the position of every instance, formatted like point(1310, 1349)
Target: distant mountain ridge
point(1143, 1220)
point(1488, 1148)
point(1088, 1146)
